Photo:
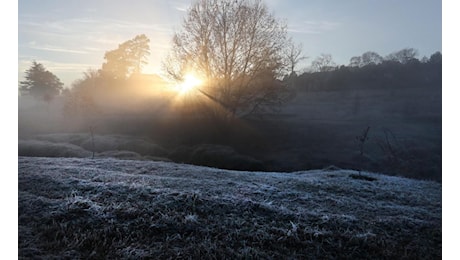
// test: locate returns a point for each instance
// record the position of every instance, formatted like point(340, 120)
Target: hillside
point(81, 208)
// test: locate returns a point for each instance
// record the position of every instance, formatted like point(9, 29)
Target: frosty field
point(81, 208)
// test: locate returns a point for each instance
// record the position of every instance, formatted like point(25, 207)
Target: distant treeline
point(394, 71)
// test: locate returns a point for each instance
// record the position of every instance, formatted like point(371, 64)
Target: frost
point(147, 205)
point(191, 218)
point(366, 235)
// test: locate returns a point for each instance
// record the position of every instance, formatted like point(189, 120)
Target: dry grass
point(115, 209)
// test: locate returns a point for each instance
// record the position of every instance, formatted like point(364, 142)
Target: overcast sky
point(69, 37)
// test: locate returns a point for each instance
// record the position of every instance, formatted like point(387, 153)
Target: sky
point(69, 37)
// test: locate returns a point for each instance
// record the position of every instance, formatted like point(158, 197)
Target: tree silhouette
point(403, 56)
point(356, 61)
point(323, 63)
point(371, 58)
point(294, 56)
point(436, 57)
point(128, 58)
point(367, 58)
point(237, 47)
point(40, 83)
point(81, 98)
point(373, 74)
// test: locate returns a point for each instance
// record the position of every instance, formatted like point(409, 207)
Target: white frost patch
point(366, 235)
point(325, 218)
point(293, 230)
point(77, 202)
point(191, 218)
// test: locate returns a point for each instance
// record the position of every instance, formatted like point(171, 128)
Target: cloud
point(87, 36)
point(53, 66)
point(180, 6)
point(58, 49)
point(60, 44)
point(89, 26)
point(313, 27)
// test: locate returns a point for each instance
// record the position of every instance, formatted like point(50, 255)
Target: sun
point(190, 82)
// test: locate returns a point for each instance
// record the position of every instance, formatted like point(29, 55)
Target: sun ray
point(189, 84)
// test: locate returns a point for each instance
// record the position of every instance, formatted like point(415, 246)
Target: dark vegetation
point(243, 116)
point(122, 209)
point(40, 83)
point(400, 103)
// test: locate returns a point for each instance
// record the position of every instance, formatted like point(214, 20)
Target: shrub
point(35, 148)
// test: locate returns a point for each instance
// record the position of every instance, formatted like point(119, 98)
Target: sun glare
point(190, 82)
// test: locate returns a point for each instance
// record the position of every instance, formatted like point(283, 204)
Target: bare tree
point(237, 47)
point(356, 61)
point(294, 56)
point(371, 58)
point(323, 63)
point(368, 58)
point(403, 56)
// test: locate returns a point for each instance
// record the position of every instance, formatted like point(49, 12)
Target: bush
point(218, 156)
point(104, 143)
point(35, 148)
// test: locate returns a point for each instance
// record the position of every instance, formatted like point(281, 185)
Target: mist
point(319, 126)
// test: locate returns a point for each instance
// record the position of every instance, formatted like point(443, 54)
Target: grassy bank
point(118, 209)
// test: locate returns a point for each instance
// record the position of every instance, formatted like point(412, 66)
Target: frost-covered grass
point(38, 148)
point(103, 143)
point(83, 145)
point(78, 208)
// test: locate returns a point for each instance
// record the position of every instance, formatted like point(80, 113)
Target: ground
point(103, 208)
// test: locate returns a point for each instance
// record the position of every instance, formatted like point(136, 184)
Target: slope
point(78, 208)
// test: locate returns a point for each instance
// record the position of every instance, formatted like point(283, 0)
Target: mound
point(37, 148)
point(106, 143)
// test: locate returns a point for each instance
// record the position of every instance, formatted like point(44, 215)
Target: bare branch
point(239, 47)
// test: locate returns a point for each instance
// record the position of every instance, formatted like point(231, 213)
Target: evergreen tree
point(40, 83)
